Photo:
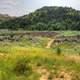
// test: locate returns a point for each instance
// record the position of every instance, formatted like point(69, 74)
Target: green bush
point(22, 68)
point(58, 51)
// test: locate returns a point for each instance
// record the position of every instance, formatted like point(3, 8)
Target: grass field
point(29, 59)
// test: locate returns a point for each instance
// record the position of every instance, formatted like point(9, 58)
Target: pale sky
point(21, 7)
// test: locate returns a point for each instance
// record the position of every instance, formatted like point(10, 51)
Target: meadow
point(28, 58)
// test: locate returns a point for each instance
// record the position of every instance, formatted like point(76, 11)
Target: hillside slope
point(4, 17)
point(47, 18)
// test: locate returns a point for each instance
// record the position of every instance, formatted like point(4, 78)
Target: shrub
point(22, 68)
point(58, 51)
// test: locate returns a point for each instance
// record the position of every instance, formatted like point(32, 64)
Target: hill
point(4, 17)
point(46, 18)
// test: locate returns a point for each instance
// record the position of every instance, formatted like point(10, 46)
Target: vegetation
point(29, 59)
point(46, 54)
point(5, 17)
point(58, 51)
point(46, 18)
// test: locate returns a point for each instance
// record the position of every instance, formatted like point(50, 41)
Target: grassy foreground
point(29, 59)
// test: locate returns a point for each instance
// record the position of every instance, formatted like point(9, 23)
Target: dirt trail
point(43, 72)
point(50, 43)
point(44, 76)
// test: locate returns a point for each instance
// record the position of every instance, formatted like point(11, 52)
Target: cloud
point(9, 2)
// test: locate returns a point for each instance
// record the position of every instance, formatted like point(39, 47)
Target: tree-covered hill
point(46, 18)
point(4, 17)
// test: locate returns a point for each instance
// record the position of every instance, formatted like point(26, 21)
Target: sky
point(22, 7)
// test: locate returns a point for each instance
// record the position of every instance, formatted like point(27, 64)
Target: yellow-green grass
point(33, 57)
point(69, 33)
point(21, 60)
point(68, 47)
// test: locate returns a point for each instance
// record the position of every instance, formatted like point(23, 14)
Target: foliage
point(23, 61)
point(58, 51)
point(4, 17)
point(46, 18)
